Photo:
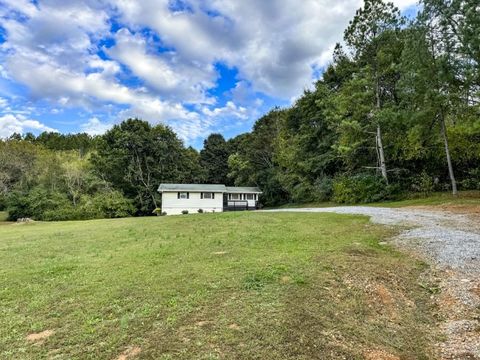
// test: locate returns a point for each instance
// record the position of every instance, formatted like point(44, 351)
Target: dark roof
point(208, 188)
point(243, 189)
point(192, 187)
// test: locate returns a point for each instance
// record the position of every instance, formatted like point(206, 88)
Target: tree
point(214, 159)
point(136, 157)
point(365, 35)
point(434, 80)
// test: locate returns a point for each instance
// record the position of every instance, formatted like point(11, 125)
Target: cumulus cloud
point(168, 74)
point(16, 123)
point(160, 62)
point(95, 127)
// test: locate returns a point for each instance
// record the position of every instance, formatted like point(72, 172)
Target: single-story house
point(207, 197)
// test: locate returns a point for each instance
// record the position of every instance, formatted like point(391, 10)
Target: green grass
point(463, 198)
point(440, 198)
point(211, 286)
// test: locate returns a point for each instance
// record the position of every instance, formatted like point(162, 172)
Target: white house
point(207, 197)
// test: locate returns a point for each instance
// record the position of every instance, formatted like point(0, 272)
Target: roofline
point(219, 189)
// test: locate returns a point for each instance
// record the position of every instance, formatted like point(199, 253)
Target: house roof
point(192, 187)
point(243, 189)
point(207, 188)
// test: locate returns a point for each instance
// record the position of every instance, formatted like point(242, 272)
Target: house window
point(183, 195)
point(250, 196)
point(235, 196)
point(208, 195)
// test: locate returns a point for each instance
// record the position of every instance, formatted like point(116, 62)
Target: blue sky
point(199, 66)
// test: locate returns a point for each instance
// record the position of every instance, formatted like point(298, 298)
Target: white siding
point(174, 206)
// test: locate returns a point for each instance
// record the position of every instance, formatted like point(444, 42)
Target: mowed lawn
point(211, 286)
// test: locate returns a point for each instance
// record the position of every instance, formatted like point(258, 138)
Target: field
point(211, 286)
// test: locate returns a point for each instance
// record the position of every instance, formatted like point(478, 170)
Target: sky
point(198, 66)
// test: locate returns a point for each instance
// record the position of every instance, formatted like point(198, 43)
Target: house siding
point(174, 206)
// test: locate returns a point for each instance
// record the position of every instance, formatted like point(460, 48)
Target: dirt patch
point(129, 353)
point(39, 338)
point(234, 327)
point(382, 299)
point(379, 355)
point(285, 279)
point(202, 323)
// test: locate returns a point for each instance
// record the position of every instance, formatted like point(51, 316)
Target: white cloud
point(274, 44)
point(10, 123)
point(57, 49)
point(230, 109)
point(165, 72)
point(95, 127)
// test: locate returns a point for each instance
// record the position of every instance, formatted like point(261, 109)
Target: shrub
point(472, 182)
point(42, 204)
point(423, 183)
point(362, 189)
point(184, 212)
point(164, 213)
point(323, 189)
point(200, 211)
point(36, 203)
point(113, 204)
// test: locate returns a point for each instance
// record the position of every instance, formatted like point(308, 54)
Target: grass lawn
point(211, 286)
point(464, 198)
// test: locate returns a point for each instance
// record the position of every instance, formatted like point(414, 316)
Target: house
point(207, 197)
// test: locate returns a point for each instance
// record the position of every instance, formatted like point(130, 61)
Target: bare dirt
point(39, 338)
point(130, 353)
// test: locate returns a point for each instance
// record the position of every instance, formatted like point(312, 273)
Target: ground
point(213, 286)
point(447, 236)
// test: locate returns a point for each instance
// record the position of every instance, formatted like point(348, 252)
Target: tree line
point(396, 112)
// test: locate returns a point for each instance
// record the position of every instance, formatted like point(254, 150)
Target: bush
point(184, 212)
point(472, 182)
point(323, 189)
point(362, 189)
point(164, 213)
point(42, 204)
point(423, 183)
point(200, 211)
point(36, 203)
point(112, 204)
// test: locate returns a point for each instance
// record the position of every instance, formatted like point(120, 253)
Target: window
point(250, 196)
point(183, 195)
point(208, 195)
point(235, 196)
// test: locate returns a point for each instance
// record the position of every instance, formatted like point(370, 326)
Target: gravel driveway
point(451, 242)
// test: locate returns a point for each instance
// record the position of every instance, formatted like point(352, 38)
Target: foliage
point(185, 212)
point(214, 160)
point(361, 189)
point(136, 157)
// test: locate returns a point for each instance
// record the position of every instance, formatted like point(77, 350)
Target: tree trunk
point(383, 166)
point(449, 160)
